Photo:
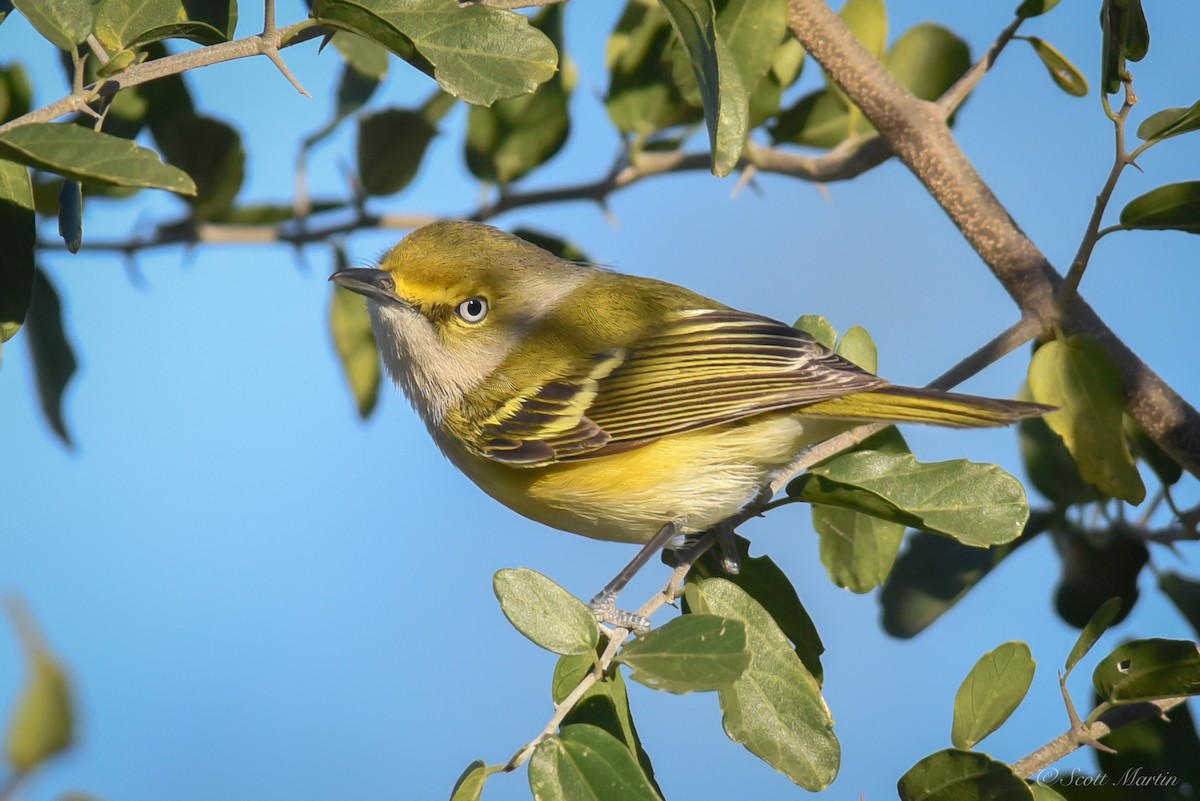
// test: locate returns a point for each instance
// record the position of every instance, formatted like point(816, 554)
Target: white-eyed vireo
point(609, 405)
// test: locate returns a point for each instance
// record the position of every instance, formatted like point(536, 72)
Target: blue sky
point(260, 597)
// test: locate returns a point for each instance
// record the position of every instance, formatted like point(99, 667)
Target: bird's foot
point(604, 607)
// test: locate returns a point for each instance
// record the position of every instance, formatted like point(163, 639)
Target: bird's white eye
point(473, 310)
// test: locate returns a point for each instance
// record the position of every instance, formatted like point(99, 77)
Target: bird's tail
point(914, 405)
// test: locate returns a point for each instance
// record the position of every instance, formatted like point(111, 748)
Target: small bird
point(609, 405)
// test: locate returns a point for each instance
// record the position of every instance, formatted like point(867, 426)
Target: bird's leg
point(604, 605)
point(731, 561)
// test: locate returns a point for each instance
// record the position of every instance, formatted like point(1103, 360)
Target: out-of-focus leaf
point(691, 653)
point(642, 96)
point(1035, 8)
point(1170, 122)
point(16, 93)
point(928, 59)
point(64, 23)
point(775, 708)
point(1093, 572)
point(819, 119)
point(354, 90)
point(1078, 376)
point(391, 146)
point(1166, 468)
point(366, 57)
point(1095, 628)
point(560, 247)
point(544, 612)
point(991, 692)
point(354, 341)
point(1062, 71)
point(18, 232)
point(953, 775)
point(126, 24)
point(469, 786)
point(934, 573)
point(1050, 467)
point(1146, 670)
point(51, 353)
point(86, 155)
point(976, 504)
point(70, 215)
point(1174, 207)
point(477, 53)
point(1184, 592)
point(762, 580)
point(584, 763)
point(1155, 759)
point(512, 137)
point(867, 20)
point(722, 91)
point(42, 722)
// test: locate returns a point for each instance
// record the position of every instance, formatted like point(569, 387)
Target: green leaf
point(1035, 8)
point(1170, 122)
point(1164, 466)
point(364, 56)
point(70, 215)
point(354, 342)
point(391, 146)
point(556, 245)
point(1096, 569)
point(1062, 71)
point(16, 93)
point(42, 722)
point(1078, 376)
point(858, 550)
point(976, 504)
point(642, 96)
point(513, 137)
point(1125, 36)
point(1146, 670)
point(857, 346)
point(722, 90)
point(991, 692)
point(469, 786)
point(477, 53)
point(211, 152)
point(1042, 792)
point(585, 763)
point(64, 23)
point(1155, 759)
point(788, 62)
point(126, 24)
point(691, 653)
point(1095, 628)
point(953, 775)
point(1184, 592)
point(1174, 207)
point(18, 232)
point(604, 704)
point(1049, 465)
point(928, 59)
point(51, 353)
point(87, 155)
point(544, 612)
point(867, 20)
point(752, 31)
point(762, 580)
point(934, 573)
point(819, 119)
point(775, 708)
point(818, 328)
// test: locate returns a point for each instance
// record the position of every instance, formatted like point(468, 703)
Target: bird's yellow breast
point(696, 479)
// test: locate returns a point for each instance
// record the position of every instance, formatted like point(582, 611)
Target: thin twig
point(1069, 742)
point(1091, 234)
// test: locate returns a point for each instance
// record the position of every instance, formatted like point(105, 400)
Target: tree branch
point(918, 134)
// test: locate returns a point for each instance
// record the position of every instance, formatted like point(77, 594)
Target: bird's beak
point(371, 283)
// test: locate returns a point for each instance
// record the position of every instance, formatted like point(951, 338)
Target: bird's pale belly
point(696, 479)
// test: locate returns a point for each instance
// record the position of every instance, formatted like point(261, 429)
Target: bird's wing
point(704, 368)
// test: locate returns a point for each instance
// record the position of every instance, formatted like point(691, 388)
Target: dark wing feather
point(703, 369)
